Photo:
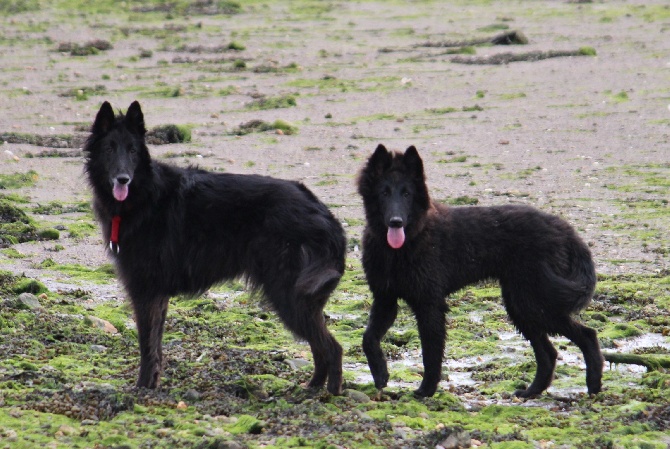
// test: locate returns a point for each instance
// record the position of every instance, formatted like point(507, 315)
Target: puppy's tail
point(572, 292)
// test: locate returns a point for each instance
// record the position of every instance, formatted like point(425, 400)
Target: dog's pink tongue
point(395, 237)
point(120, 191)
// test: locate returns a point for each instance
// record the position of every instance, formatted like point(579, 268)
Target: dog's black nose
point(123, 179)
point(395, 222)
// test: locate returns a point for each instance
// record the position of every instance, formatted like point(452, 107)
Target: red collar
point(114, 237)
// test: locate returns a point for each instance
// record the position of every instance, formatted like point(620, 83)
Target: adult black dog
point(178, 231)
point(422, 251)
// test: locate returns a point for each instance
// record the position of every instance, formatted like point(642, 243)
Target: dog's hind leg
point(382, 315)
point(587, 341)
point(327, 354)
point(545, 356)
point(303, 315)
point(150, 319)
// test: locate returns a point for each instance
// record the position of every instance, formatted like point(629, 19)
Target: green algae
point(18, 180)
point(282, 101)
point(100, 275)
point(59, 208)
point(215, 347)
point(206, 327)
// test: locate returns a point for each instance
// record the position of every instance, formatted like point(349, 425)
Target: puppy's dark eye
point(133, 150)
point(405, 193)
point(386, 192)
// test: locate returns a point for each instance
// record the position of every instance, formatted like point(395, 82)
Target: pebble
point(357, 396)
point(296, 364)
point(28, 301)
point(225, 419)
point(10, 435)
point(105, 325)
point(223, 444)
point(456, 441)
point(362, 415)
point(66, 430)
point(215, 432)
point(162, 433)
point(191, 395)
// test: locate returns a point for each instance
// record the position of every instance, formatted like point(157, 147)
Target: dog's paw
point(381, 381)
point(424, 392)
point(526, 394)
point(594, 389)
point(335, 388)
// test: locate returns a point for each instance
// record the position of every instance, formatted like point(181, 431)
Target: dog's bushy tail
point(572, 292)
point(322, 264)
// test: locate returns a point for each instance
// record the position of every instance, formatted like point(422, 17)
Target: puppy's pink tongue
point(395, 237)
point(120, 191)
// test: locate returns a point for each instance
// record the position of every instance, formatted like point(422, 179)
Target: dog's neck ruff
point(114, 237)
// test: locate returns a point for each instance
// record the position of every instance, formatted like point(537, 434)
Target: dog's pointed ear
point(135, 118)
point(104, 120)
point(380, 159)
point(413, 161)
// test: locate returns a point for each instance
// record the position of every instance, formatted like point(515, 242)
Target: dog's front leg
point(431, 320)
point(150, 319)
point(382, 315)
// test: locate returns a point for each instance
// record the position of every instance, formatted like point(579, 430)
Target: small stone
point(225, 419)
point(66, 430)
point(458, 440)
point(181, 405)
point(10, 435)
point(363, 416)
point(88, 422)
point(98, 348)
point(297, 364)
point(191, 395)
point(215, 432)
point(225, 444)
point(162, 433)
point(28, 301)
point(357, 396)
point(105, 325)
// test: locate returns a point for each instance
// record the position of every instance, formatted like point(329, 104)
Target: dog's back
point(515, 242)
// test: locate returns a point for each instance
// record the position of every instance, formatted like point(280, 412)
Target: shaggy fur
point(422, 251)
point(182, 230)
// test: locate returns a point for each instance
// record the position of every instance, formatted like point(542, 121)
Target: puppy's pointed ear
point(135, 118)
point(413, 162)
point(380, 159)
point(104, 120)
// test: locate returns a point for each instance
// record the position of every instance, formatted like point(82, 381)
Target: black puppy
point(422, 251)
point(179, 230)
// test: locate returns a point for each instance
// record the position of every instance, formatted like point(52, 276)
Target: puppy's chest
point(402, 272)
